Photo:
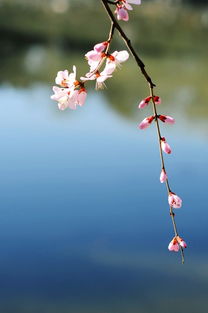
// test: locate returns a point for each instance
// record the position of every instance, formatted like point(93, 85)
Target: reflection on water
point(84, 220)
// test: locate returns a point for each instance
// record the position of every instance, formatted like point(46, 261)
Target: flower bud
point(173, 245)
point(174, 200)
point(93, 56)
point(122, 13)
point(165, 146)
point(157, 100)
point(181, 242)
point(166, 119)
point(144, 102)
point(146, 122)
point(100, 47)
point(81, 97)
point(163, 176)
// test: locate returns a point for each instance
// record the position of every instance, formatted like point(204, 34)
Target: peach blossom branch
point(141, 65)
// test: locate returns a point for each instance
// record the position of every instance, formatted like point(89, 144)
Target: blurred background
point(84, 222)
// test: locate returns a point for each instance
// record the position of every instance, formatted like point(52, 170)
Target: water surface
point(84, 219)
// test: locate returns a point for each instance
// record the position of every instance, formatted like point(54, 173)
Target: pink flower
point(146, 101)
point(67, 98)
point(64, 97)
point(115, 59)
point(174, 200)
point(94, 58)
point(61, 95)
point(166, 119)
point(118, 57)
point(173, 245)
point(100, 47)
point(121, 9)
point(99, 77)
point(81, 97)
point(109, 68)
point(122, 13)
point(73, 92)
point(64, 79)
point(181, 242)
point(94, 55)
point(157, 100)
point(163, 176)
point(128, 6)
point(165, 146)
point(146, 122)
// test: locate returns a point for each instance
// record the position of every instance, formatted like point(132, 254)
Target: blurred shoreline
point(38, 38)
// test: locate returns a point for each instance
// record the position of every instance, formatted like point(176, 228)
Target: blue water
point(84, 223)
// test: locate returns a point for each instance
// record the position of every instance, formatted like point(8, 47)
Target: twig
point(172, 214)
point(113, 2)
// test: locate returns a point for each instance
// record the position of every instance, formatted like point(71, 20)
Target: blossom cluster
point(174, 200)
point(72, 92)
point(175, 244)
point(95, 58)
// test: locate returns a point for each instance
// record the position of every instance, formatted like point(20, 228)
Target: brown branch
point(113, 2)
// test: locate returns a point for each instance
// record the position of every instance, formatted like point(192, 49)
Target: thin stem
point(172, 215)
point(157, 126)
point(110, 37)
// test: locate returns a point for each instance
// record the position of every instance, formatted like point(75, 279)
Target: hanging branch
point(102, 64)
point(176, 240)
